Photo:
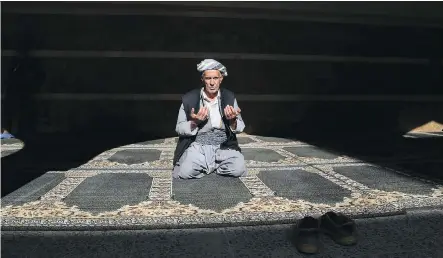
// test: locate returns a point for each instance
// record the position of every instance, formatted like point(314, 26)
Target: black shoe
point(340, 228)
point(307, 236)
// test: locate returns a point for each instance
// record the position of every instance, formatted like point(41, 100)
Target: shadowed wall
point(92, 71)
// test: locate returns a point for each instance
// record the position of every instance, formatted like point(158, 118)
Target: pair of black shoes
point(339, 228)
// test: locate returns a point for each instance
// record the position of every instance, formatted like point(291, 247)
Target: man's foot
point(307, 236)
point(340, 228)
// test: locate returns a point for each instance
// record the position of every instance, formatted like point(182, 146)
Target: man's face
point(212, 80)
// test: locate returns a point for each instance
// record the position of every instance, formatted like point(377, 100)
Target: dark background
point(81, 78)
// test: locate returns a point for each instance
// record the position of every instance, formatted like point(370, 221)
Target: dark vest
point(192, 100)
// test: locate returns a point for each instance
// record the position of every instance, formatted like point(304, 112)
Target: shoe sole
point(346, 241)
point(308, 249)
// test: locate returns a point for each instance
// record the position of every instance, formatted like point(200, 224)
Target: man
point(208, 121)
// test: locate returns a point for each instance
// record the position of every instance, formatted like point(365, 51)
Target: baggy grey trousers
point(199, 160)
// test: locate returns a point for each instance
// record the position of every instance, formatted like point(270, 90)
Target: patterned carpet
point(10, 146)
point(130, 187)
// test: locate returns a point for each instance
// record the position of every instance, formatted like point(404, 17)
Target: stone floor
point(416, 234)
point(130, 187)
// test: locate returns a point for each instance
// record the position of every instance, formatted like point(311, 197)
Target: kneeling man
point(208, 121)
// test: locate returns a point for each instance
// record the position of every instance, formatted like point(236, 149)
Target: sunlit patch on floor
point(429, 127)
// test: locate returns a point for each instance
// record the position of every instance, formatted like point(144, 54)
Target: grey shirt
point(184, 126)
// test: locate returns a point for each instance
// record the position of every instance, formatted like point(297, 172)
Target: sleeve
point(185, 127)
point(240, 122)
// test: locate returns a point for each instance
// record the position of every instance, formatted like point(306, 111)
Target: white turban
point(211, 64)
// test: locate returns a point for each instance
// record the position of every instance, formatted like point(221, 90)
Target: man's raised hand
point(231, 113)
point(201, 116)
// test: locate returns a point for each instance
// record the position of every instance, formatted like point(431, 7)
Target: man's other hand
point(201, 116)
point(231, 113)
